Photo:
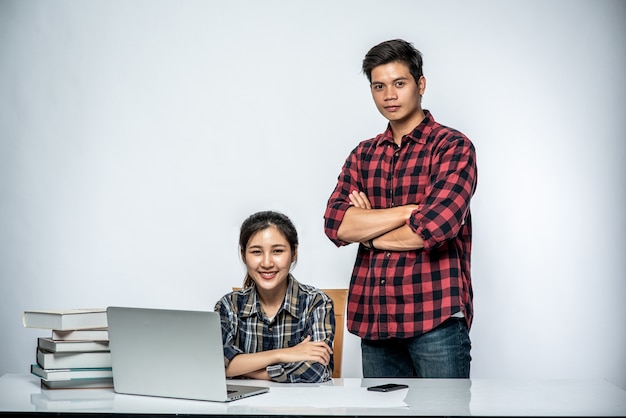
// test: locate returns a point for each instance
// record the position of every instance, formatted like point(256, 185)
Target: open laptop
point(170, 353)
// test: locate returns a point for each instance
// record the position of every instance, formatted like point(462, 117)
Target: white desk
point(22, 393)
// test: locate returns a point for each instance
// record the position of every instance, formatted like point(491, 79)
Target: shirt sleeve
point(339, 202)
point(321, 327)
point(447, 200)
point(229, 323)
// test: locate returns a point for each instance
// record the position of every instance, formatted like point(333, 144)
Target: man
point(405, 197)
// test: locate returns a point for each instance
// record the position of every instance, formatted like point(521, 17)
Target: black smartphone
point(387, 387)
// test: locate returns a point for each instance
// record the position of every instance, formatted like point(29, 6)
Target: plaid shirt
point(305, 311)
point(406, 293)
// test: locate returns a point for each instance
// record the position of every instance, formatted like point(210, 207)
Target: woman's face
point(268, 258)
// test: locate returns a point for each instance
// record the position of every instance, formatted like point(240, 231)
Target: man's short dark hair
point(396, 50)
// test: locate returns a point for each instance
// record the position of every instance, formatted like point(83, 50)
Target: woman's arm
point(320, 325)
point(307, 350)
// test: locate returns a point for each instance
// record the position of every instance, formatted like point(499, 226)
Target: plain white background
point(135, 137)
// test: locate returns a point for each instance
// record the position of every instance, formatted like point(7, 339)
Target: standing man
point(404, 196)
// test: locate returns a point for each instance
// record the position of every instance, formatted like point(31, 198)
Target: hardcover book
point(66, 319)
point(80, 360)
point(96, 334)
point(69, 374)
point(54, 346)
point(95, 383)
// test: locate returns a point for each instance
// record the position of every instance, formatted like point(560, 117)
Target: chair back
point(339, 297)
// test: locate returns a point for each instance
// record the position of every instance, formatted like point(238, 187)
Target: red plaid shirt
point(407, 293)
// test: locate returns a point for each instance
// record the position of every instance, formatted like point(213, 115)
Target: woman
point(275, 328)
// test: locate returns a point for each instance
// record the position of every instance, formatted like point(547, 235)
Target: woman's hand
point(307, 350)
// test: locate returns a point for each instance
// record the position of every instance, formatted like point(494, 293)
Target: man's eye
point(377, 87)
point(279, 251)
point(400, 83)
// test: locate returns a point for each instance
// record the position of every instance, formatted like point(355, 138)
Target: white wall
point(135, 136)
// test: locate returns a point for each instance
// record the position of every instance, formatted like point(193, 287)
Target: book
point(95, 334)
point(66, 319)
point(69, 374)
point(78, 360)
point(94, 383)
point(71, 346)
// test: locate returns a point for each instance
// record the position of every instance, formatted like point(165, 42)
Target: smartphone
point(387, 387)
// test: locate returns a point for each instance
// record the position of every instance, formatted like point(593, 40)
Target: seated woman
point(275, 328)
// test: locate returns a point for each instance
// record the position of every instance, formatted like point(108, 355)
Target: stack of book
point(76, 353)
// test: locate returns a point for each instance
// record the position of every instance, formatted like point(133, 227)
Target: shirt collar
point(419, 134)
point(290, 303)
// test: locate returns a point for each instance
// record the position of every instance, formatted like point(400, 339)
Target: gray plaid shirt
point(305, 311)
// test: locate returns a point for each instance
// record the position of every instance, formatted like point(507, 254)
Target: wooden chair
point(339, 297)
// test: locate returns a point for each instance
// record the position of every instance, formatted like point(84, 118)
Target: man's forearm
point(400, 239)
point(359, 224)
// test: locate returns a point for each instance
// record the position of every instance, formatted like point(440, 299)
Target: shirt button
point(388, 254)
point(382, 281)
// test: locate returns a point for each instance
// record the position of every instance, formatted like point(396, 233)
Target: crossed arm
point(387, 228)
point(253, 365)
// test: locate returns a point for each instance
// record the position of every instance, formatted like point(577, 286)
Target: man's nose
point(390, 94)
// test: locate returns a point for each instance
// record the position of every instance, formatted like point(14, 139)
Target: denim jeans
point(441, 353)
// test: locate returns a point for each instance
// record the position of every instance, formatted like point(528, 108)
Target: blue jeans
point(441, 353)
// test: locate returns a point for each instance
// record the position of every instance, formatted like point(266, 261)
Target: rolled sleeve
point(299, 372)
point(446, 204)
point(332, 220)
point(339, 201)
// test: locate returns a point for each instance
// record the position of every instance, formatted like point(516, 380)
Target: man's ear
point(421, 85)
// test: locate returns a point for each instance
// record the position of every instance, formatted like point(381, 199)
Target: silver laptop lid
point(170, 353)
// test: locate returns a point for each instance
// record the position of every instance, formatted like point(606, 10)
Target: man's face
point(396, 94)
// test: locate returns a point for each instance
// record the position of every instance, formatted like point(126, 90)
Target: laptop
point(170, 353)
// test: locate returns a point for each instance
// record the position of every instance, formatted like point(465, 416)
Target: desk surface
point(22, 393)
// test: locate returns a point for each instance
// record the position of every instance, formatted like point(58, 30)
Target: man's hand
point(359, 200)
point(362, 223)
